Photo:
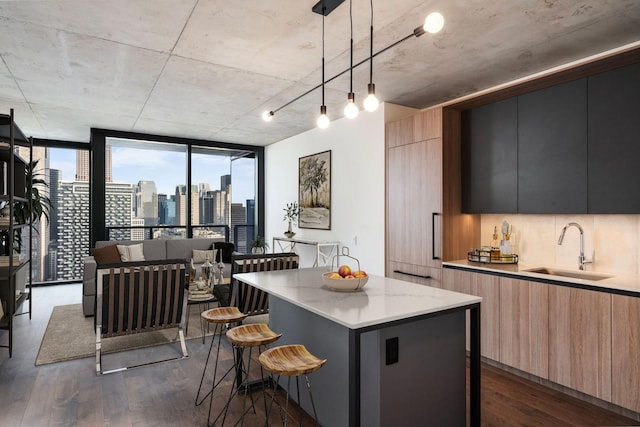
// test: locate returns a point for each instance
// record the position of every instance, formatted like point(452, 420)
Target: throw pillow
point(131, 253)
point(199, 257)
point(226, 249)
point(106, 255)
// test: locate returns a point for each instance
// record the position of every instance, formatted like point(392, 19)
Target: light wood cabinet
point(414, 199)
point(400, 132)
point(524, 325)
point(488, 287)
point(625, 355)
point(580, 340)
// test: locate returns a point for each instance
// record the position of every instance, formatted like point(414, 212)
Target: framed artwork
point(314, 191)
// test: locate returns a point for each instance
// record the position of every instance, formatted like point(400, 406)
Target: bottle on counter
point(495, 250)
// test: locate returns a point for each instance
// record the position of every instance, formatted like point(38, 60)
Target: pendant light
point(323, 121)
point(351, 110)
point(433, 23)
point(371, 102)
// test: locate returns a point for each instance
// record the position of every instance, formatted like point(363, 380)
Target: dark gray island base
point(396, 350)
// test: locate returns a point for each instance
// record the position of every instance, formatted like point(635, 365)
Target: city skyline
point(129, 165)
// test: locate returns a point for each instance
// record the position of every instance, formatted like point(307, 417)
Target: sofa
point(106, 252)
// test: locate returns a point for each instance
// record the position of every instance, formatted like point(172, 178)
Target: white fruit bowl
point(344, 285)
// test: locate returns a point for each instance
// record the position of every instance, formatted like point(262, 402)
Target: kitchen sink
point(573, 274)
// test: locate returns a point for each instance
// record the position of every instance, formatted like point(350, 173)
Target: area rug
point(70, 335)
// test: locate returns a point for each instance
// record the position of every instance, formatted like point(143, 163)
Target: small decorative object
point(291, 213)
point(192, 272)
point(505, 244)
point(259, 245)
point(207, 271)
point(345, 279)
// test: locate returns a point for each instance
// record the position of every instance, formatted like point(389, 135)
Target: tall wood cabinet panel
point(490, 158)
point(425, 224)
point(400, 132)
point(485, 286)
point(524, 325)
point(580, 340)
point(414, 198)
point(613, 114)
point(625, 342)
point(552, 149)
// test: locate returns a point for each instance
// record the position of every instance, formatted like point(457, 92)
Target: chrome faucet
point(581, 259)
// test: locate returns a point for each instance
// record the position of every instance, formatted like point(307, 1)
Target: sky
point(167, 169)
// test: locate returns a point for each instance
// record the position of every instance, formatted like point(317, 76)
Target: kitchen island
point(396, 350)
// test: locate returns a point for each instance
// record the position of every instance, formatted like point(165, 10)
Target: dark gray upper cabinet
point(490, 158)
point(614, 141)
point(552, 149)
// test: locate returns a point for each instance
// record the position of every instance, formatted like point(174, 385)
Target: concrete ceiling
point(207, 69)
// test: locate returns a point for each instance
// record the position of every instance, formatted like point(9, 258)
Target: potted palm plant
point(291, 213)
point(24, 212)
point(259, 245)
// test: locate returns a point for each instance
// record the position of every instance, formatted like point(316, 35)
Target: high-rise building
point(83, 165)
point(50, 271)
point(137, 233)
point(73, 223)
point(225, 183)
point(73, 229)
point(166, 209)
point(251, 211)
point(181, 205)
point(118, 208)
point(239, 217)
point(146, 202)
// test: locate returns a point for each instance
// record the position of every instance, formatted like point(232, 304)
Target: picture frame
point(314, 191)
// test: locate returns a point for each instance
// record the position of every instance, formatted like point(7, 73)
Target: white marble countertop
point(382, 300)
point(616, 283)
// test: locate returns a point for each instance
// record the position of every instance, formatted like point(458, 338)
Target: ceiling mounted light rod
point(351, 110)
point(371, 102)
point(323, 119)
point(417, 32)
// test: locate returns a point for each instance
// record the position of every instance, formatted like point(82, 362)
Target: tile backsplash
point(614, 239)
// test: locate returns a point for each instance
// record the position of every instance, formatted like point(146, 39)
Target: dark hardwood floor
point(70, 393)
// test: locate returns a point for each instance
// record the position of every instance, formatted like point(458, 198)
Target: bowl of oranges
point(345, 278)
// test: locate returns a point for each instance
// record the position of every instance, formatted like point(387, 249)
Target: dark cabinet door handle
point(433, 235)
point(411, 274)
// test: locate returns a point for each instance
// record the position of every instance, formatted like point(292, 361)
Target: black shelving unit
point(14, 185)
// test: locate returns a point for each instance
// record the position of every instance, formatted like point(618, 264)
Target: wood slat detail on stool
point(290, 360)
point(223, 315)
point(252, 335)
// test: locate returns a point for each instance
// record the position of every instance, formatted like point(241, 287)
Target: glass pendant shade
point(323, 121)
point(351, 110)
point(267, 116)
point(433, 22)
point(371, 102)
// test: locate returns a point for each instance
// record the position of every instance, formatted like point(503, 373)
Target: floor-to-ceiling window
point(145, 189)
point(225, 188)
point(161, 187)
point(60, 243)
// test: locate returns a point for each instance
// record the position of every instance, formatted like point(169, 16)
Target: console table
point(324, 249)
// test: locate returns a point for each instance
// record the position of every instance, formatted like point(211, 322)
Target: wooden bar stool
point(219, 316)
point(291, 361)
point(248, 336)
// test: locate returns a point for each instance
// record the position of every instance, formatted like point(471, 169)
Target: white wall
point(357, 186)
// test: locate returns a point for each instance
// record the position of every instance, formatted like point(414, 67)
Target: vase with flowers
point(291, 213)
